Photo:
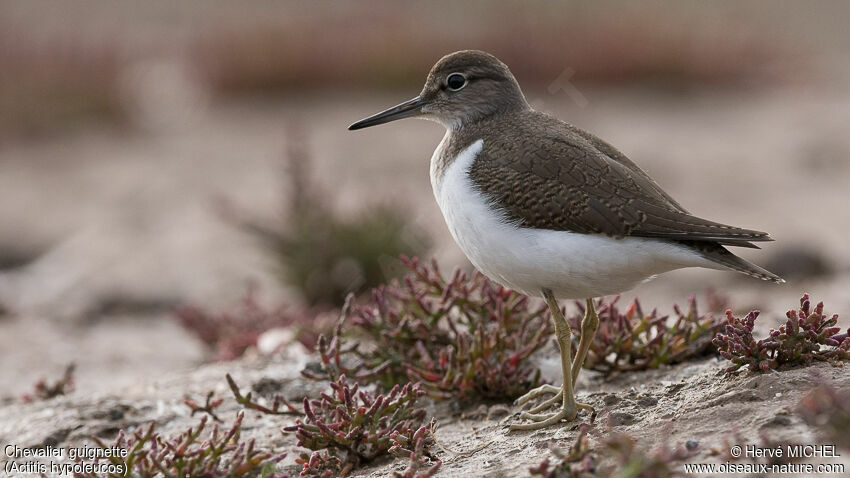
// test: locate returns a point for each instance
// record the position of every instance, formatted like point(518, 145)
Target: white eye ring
point(453, 75)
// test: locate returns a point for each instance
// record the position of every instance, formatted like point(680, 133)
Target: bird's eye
point(456, 81)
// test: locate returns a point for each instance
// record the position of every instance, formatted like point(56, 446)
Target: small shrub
point(187, 455)
point(323, 464)
point(416, 447)
point(464, 337)
point(355, 426)
point(44, 391)
point(633, 340)
point(403, 444)
point(323, 255)
point(229, 334)
point(807, 335)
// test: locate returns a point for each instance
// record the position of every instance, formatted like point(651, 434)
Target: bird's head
point(462, 88)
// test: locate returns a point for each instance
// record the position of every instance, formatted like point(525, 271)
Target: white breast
point(572, 265)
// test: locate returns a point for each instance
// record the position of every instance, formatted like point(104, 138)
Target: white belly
point(573, 266)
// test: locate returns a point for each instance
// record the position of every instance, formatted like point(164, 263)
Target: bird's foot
point(547, 403)
point(536, 392)
point(543, 420)
point(541, 390)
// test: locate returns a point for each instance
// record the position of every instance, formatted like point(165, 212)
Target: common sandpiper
point(549, 210)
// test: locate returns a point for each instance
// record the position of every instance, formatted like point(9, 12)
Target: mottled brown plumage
point(547, 174)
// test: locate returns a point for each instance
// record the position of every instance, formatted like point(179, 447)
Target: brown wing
point(615, 154)
point(557, 178)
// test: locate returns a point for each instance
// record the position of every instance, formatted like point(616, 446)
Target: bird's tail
point(720, 255)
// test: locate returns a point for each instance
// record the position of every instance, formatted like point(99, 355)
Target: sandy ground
point(691, 402)
point(122, 225)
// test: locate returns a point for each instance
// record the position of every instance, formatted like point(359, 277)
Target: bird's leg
point(569, 406)
point(545, 388)
point(589, 325)
point(588, 330)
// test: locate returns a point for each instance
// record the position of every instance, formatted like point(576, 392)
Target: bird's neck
point(464, 133)
point(455, 140)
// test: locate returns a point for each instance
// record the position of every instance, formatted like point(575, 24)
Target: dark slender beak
point(409, 108)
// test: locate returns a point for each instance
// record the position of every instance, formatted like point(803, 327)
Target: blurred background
point(163, 163)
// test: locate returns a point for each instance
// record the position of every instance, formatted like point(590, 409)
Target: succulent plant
point(229, 334)
point(634, 340)
point(416, 446)
point(354, 425)
point(807, 335)
point(323, 464)
point(465, 336)
point(247, 402)
point(190, 454)
point(45, 391)
point(209, 406)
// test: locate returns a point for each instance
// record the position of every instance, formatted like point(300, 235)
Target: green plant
point(323, 255)
point(464, 337)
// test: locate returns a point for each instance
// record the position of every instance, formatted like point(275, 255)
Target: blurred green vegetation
point(324, 255)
